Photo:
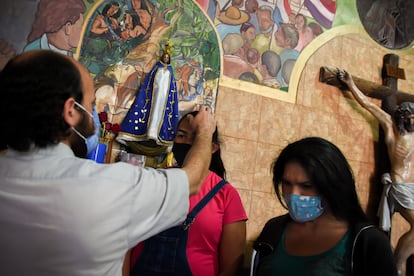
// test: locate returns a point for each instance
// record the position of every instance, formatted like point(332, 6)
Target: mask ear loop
point(83, 109)
point(79, 134)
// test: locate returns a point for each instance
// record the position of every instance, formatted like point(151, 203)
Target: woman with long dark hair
point(326, 232)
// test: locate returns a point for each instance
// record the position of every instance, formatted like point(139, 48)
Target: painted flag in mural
point(282, 11)
point(323, 11)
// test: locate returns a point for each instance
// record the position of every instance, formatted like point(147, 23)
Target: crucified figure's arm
point(384, 119)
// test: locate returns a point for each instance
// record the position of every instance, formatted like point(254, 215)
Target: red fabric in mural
point(329, 5)
point(287, 7)
point(322, 11)
point(203, 4)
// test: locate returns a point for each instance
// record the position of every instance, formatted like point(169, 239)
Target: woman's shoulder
point(273, 226)
point(368, 232)
point(276, 223)
point(270, 235)
point(228, 189)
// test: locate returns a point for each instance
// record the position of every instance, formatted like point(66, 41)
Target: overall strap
point(203, 202)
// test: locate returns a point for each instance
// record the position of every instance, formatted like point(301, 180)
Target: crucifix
point(396, 117)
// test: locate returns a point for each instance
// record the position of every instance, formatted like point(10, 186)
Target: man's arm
point(198, 158)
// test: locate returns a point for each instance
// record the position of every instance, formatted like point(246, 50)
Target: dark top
point(371, 252)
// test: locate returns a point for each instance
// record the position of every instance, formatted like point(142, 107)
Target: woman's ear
point(215, 148)
point(70, 115)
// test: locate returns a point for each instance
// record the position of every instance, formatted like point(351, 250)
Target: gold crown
point(167, 49)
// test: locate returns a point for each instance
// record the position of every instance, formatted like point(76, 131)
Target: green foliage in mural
point(192, 35)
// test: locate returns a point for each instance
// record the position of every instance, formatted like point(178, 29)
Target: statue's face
point(409, 122)
point(165, 58)
point(404, 117)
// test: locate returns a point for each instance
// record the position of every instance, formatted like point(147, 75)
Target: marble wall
point(254, 128)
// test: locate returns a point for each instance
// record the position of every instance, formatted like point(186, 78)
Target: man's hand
point(204, 122)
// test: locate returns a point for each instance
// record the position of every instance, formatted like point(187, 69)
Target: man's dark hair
point(328, 171)
point(35, 86)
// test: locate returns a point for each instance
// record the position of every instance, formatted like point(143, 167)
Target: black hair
point(108, 6)
point(216, 164)
point(328, 171)
point(400, 117)
point(245, 26)
point(35, 86)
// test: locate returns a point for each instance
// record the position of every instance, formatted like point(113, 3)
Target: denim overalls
point(165, 253)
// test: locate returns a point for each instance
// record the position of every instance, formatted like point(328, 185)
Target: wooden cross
point(387, 92)
point(390, 98)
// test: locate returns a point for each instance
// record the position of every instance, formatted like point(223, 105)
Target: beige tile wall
point(255, 128)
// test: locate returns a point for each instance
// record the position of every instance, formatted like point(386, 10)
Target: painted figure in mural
point(106, 23)
point(231, 20)
point(312, 30)
point(287, 37)
point(110, 38)
point(251, 7)
point(57, 26)
point(270, 68)
point(300, 24)
point(153, 116)
point(399, 183)
point(140, 12)
point(103, 44)
point(233, 63)
point(262, 41)
point(253, 58)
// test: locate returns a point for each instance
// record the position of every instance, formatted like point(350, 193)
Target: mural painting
point(121, 42)
point(124, 39)
point(262, 40)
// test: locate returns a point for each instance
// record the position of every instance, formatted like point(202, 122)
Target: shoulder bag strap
point(203, 202)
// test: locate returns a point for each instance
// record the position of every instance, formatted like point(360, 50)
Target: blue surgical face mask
point(304, 208)
point(93, 140)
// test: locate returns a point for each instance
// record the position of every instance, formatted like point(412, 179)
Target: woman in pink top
point(217, 238)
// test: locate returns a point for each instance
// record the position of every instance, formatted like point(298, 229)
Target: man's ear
point(70, 115)
point(215, 148)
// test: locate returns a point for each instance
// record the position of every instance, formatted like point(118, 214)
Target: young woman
point(326, 231)
point(217, 237)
